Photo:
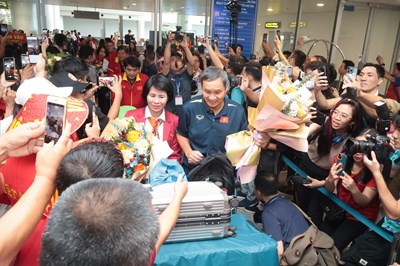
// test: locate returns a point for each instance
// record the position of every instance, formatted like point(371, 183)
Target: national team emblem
point(199, 117)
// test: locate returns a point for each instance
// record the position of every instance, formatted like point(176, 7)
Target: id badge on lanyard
point(178, 97)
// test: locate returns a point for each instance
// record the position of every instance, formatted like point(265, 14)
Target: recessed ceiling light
point(182, 7)
point(259, 24)
point(270, 10)
point(125, 7)
point(134, 4)
point(171, 9)
point(320, 4)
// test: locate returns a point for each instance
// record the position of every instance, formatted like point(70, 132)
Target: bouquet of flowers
point(133, 141)
point(51, 59)
point(281, 111)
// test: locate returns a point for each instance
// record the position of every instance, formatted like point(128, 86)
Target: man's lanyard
point(178, 85)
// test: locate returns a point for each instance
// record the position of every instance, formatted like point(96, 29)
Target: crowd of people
point(69, 196)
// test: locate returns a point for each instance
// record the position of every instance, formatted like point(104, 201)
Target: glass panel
point(275, 15)
point(382, 42)
point(352, 34)
point(316, 25)
point(190, 15)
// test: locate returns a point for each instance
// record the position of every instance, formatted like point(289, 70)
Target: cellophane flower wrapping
point(134, 143)
point(282, 108)
point(281, 111)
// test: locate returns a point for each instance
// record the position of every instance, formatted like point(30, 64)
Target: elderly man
point(208, 120)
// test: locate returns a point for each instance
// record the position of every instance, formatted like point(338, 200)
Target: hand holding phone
point(265, 37)
point(24, 60)
point(322, 69)
point(55, 118)
point(319, 118)
point(298, 180)
point(9, 67)
point(342, 159)
point(352, 72)
point(105, 81)
point(278, 33)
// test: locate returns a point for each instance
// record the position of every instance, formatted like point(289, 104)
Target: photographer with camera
point(370, 248)
point(179, 72)
point(356, 186)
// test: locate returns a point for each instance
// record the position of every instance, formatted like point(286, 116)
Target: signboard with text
point(246, 24)
point(273, 25)
point(16, 38)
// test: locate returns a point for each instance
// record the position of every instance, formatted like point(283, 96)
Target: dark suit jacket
point(169, 134)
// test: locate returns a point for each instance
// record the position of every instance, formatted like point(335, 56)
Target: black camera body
point(379, 144)
point(178, 36)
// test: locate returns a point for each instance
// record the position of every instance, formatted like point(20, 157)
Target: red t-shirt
point(18, 177)
point(371, 210)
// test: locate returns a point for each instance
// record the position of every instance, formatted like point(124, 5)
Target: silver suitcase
point(205, 212)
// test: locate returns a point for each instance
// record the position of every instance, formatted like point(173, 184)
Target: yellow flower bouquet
point(135, 145)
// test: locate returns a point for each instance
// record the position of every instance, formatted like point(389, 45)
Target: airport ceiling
point(198, 7)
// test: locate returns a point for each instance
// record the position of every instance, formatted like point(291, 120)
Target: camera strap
point(341, 204)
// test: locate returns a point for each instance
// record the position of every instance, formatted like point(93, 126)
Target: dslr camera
point(379, 144)
point(177, 33)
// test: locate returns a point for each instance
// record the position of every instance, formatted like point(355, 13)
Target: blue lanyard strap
point(341, 204)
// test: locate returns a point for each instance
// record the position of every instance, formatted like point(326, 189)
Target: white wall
point(24, 16)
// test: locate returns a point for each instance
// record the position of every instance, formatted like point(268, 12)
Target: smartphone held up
point(9, 67)
point(55, 118)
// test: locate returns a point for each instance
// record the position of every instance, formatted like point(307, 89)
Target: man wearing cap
point(84, 91)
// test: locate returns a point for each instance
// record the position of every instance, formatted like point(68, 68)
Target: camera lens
point(354, 146)
point(178, 36)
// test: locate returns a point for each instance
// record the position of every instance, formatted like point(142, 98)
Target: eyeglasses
point(341, 115)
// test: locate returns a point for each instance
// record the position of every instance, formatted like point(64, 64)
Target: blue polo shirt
point(282, 220)
point(206, 130)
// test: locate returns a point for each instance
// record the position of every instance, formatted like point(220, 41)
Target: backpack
point(313, 247)
point(217, 169)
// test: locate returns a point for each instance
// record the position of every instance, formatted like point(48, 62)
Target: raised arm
point(170, 215)
point(214, 57)
point(19, 222)
point(278, 46)
point(389, 203)
point(117, 90)
point(167, 54)
point(189, 56)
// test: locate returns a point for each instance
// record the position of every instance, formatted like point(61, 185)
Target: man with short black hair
point(281, 219)
point(101, 222)
point(87, 54)
point(132, 83)
point(251, 83)
point(115, 67)
point(129, 37)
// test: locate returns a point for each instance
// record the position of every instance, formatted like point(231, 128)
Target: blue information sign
point(246, 24)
